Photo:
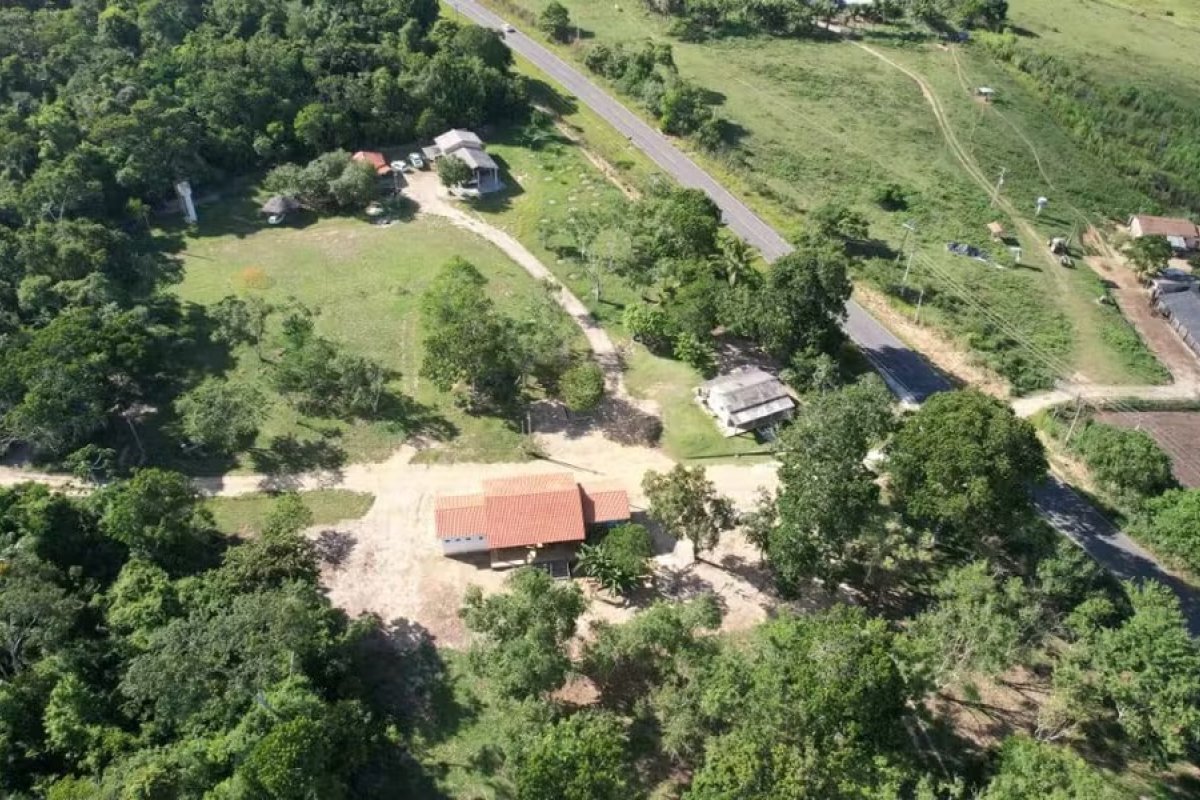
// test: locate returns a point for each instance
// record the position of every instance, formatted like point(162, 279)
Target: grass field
point(364, 283)
point(245, 514)
point(826, 121)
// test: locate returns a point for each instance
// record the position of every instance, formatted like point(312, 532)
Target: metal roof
point(1166, 226)
point(755, 413)
point(475, 158)
point(1184, 308)
point(455, 138)
point(747, 388)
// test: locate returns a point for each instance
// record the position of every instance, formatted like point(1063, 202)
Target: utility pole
point(1075, 419)
point(909, 227)
point(999, 185)
point(921, 299)
point(904, 280)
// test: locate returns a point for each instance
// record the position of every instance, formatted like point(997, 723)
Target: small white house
point(745, 400)
point(468, 148)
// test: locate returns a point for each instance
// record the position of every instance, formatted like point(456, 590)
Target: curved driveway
point(909, 375)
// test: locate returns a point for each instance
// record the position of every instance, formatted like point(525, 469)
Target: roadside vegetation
point(799, 141)
point(1132, 475)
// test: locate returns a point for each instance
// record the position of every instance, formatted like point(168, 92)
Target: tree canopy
point(965, 463)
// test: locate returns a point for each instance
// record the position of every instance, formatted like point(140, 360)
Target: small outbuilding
point(996, 230)
point(746, 399)
point(986, 93)
point(376, 160)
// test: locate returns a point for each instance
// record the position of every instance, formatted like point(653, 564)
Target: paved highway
point(909, 375)
point(905, 371)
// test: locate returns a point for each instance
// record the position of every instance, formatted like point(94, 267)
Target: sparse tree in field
point(964, 464)
point(686, 503)
point(1149, 254)
point(523, 633)
point(620, 561)
point(467, 341)
point(221, 416)
point(453, 171)
point(835, 221)
point(582, 386)
point(240, 320)
point(555, 21)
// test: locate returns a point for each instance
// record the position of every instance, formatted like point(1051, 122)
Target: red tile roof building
point(376, 160)
point(528, 511)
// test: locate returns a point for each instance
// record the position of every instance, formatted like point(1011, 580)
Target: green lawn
point(689, 434)
point(364, 283)
point(824, 121)
point(245, 514)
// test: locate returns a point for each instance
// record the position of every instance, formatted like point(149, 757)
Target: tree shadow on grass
point(406, 680)
point(616, 418)
point(287, 458)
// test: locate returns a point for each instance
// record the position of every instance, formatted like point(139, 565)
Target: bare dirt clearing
point(390, 563)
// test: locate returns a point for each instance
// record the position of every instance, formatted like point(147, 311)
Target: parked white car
point(399, 165)
point(416, 160)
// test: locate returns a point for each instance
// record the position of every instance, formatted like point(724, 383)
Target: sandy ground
point(391, 563)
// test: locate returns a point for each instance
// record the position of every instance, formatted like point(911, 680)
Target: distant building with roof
point(376, 160)
point(532, 519)
point(468, 148)
point(1183, 234)
point(746, 400)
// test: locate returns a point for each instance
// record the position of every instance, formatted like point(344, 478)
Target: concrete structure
point(1183, 234)
point(745, 400)
point(533, 519)
point(468, 148)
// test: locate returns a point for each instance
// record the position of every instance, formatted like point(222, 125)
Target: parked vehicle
point(416, 160)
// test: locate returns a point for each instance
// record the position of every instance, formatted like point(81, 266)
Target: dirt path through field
point(1156, 334)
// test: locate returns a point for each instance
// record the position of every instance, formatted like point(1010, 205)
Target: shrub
point(582, 386)
point(453, 172)
point(891, 197)
point(1127, 462)
point(1170, 523)
point(620, 560)
point(649, 325)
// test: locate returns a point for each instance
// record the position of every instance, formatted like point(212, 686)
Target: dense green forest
point(107, 104)
point(144, 655)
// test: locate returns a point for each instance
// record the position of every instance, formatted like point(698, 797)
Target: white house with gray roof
point(746, 399)
point(468, 148)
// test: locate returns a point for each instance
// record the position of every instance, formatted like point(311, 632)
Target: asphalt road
point(910, 376)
